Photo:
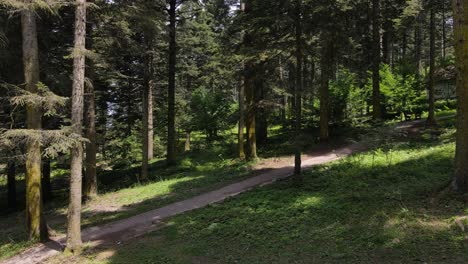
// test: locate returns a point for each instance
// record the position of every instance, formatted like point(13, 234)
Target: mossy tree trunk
point(35, 221)
point(74, 208)
point(460, 11)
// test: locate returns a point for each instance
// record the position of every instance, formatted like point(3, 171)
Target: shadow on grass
point(121, 195)
point(349, 212)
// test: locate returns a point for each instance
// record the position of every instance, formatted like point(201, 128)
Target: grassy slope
point(377, 207)
point(196, 173)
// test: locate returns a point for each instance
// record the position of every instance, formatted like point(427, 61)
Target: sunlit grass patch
point(366, 208)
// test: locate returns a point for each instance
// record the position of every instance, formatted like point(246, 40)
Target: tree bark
point(261, 120)
point(74, 208)
point(148, 113)
point(90, 187)
point(387, 46)
point(298, 91)
point(377, 110)
point(171, 134)
point(251, 112)
point(460, 11)
point(11, 178)
point(241, 127)
point(35, 221)
point(90, 190)
point(187, 141)
point(102, 110)
point(431, 118)
point(418, 39)
point(444, 30)
point(326, 62)
point(240, 141)
point(250, 107)
point(284, 98)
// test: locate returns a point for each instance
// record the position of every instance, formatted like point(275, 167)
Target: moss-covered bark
point(34, 219)
point(460, 11)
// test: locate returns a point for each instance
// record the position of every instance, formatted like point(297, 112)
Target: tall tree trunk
point(240, 139)
point(90, 187)
point(418, 42)
point(74, 208)
point(187, 141)
point(90, 190)
point(431, 119)
point(292, 91)
point(444, 30)
point(261, 120)
point(377, 110)
point(251, 113)
point(460, 11)
point(284, 98)
point(250, 107)
point(147, 114)
point(404, 45)
point(11, 178)
point(102, 111)
point(241, 127)
point(46, 184)
point(326, 62)
point(298, 91)
point(35, 221)
point(387, 46)
point(171, 134)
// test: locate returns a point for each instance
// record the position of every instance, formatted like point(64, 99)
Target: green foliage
point(401, 93)
point(211, 110)
point(345, 95)
point(48, 102)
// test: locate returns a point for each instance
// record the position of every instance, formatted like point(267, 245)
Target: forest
point(233, 131)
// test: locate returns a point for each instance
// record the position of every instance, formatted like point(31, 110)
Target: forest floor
point(373, 179)
point(390, 204)
point(204, 169)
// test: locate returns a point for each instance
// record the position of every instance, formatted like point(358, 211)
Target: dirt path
point(115, 233)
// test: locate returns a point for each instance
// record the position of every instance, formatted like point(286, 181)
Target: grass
point(383, 206)
point(122, 197)
point(205, 168)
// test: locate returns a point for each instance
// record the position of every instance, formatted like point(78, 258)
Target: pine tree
point(35, 220)
point(299, 86)
point(376, 59)
point(74, 208)
point(171, 131)
point(460, 11)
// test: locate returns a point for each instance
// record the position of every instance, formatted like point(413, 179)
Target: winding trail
point(138, 225)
